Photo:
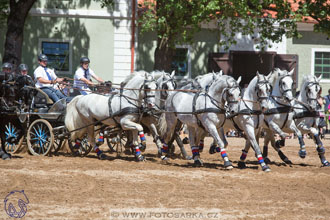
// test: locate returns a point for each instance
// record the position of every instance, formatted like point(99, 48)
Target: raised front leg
point(213, 131)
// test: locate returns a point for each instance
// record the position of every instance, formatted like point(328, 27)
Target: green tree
point(176, 21)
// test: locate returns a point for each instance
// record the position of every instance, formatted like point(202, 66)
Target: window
point(59, 55)
point(321, 63)
point(181, 62)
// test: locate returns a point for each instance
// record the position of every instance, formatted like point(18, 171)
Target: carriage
point(28, 115)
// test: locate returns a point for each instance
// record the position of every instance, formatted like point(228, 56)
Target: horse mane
point(159, 73)
point(132, 75)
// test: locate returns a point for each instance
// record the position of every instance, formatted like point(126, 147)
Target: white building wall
point(246, 43)
point(122, 40)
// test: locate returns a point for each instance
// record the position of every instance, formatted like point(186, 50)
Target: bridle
point(259, 84)
point(228, 91)
point(283, 91)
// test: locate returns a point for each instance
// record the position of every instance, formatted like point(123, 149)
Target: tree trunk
point(15, 27)
point(163, 57)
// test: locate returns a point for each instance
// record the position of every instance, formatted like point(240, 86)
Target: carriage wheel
point(11, 132)
point(40, 138)
point(117, 143)
point(83, 149)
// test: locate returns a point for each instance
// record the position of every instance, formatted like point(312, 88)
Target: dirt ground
point(65, 187)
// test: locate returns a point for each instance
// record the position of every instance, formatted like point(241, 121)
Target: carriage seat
point(41, 99)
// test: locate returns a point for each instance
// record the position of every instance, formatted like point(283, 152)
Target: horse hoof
point(102, 156)
point(266, 168)
point(185, 140)
point(228, 165)
point(140, 158)
point(212, 149)
point(326, 164)
point(287, 161)
point(198, 162)
point(241, 165)
point(164, 158)
point(302, 154)
point(189, 158)
point(267, 160)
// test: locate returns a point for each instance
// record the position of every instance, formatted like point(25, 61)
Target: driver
point(83, 75)
point(46, 78)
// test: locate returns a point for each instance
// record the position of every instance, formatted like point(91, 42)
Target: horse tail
point(72, 117)
point(162, 124)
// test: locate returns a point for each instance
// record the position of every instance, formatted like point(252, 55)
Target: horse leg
point(214, 143)
point(320, 148)
point(171, 122)
point(194, 137)
point(91, 140)
point(302, 152)
point(211, 128)
point(156, 138)
point(136, 129)
point(249, 132)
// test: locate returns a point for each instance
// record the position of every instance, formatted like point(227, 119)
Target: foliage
point(319, 10)
point(177, 21)
point(4, 11)
point(106, 3)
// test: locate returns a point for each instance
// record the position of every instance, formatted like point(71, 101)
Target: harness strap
point(272, 111)
point(199, 123)
point(305, 114)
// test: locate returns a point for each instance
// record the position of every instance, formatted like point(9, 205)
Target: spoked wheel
point(82, 150)
point(117, 143)
point(40, 138)
point(12, 145)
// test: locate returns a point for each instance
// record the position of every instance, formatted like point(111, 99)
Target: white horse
point(165, 86)
point(306, 116)
point(278, 116)
point(199, 111)
point(249, 116)
point(121, 109)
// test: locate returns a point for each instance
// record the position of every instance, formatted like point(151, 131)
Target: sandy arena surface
point(66, 187)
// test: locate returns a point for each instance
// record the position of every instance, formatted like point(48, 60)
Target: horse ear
point(258, 74)
point(220, 73)
point(173, 73)
point(319, 78)
point(239, 80)
point(291, 72)
point(153, 75)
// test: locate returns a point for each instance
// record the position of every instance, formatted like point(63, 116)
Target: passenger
point(46, 78)
point(23, 71)
point(83, 75)
point(7, 69)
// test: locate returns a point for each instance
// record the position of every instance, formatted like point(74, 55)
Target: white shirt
point(80, 73)
point(41, 72)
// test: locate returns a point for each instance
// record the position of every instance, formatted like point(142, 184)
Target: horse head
point(149, 90)
point(262, 89)
point(310, 91)
point(283, 84)
point(231, 94)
